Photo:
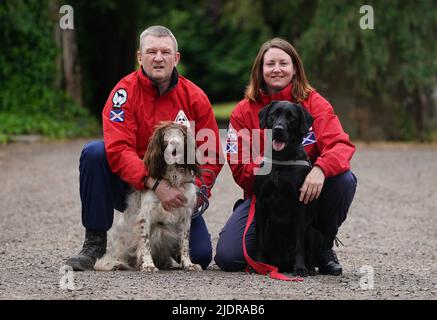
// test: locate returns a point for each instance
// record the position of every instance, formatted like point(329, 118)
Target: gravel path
point(390, 233)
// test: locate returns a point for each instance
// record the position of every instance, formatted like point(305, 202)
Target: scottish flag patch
point(117, 115)
point(231, 147)
point(309, 139)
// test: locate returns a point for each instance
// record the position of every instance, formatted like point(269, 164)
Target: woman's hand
point(312, 186)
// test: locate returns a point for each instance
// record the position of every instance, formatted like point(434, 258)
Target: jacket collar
point(284, 94)
point(173, 81)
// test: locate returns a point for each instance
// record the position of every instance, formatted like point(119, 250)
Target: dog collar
point(288, 162)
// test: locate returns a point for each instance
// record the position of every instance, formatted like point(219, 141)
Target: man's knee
point(202, 255)
point(93, 150)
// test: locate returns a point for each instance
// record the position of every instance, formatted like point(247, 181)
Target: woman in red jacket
point(278, 74)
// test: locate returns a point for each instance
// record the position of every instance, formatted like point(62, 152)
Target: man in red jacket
point(109, 168)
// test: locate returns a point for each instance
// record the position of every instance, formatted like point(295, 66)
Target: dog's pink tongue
point(278, 145)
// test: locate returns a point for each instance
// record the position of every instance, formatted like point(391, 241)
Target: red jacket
point(328, 145)
point(132, 111)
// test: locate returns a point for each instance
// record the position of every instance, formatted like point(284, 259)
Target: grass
point(222, 111)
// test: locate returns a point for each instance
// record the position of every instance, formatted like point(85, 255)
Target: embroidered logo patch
point(119, 98)
point(116, 115)
point(181, 118)
point(232, 134)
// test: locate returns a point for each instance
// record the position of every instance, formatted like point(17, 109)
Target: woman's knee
point(350, 179)
point(229, 252)
point(228, 259)
point(343, 183)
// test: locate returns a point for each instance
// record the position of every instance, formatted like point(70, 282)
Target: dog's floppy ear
point(154, 157)
point(306, 120)
point(263, 114)
point(191, 160)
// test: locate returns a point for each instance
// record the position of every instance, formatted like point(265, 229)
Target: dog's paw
point(300, 271)
point(312, 271)
point(189, 266)
point(149, 268)
point(193, 267)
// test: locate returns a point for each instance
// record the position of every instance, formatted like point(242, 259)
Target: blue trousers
point(334, 202)
point(102, 191)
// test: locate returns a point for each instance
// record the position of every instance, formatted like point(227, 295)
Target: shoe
point(93, 248)
point(328, 263)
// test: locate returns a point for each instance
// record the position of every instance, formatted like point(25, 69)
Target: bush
point(30, 103)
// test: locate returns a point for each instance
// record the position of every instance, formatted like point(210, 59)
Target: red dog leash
point(260, 267)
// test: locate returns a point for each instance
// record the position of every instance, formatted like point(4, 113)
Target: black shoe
point(328, 263)
point(93, 248)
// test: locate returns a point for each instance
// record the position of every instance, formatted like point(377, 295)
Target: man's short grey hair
point(158, 31)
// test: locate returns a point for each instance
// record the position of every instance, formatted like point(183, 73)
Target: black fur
point(284, 234)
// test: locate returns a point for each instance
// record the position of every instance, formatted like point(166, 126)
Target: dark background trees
point(381, 81)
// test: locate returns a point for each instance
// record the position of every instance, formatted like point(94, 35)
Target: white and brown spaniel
point(148, 237)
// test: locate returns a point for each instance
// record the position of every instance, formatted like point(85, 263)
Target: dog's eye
point(291, 117)
point(274, 115)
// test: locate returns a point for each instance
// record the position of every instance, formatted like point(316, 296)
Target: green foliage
point(218, 48)
point(73, 121)
point(222, 111)
point(384, 67)
point(388, 70)
point(29, 101)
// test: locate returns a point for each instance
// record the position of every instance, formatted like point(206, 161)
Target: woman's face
point(278, 70)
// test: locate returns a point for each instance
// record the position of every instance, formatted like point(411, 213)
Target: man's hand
point(312, 186)
point(170, 197)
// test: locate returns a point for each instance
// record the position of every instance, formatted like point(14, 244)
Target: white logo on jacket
point(232, 134)
point(232, 140)
point(181, 118)
point(119, 98)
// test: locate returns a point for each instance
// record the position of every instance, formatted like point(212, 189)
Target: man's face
point(158, 57)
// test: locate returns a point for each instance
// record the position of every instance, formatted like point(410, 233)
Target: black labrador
point(284, 234)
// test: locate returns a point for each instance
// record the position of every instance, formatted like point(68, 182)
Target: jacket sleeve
point(238, 153)
point(336, 150)
point(120, 140)
point(209, 137)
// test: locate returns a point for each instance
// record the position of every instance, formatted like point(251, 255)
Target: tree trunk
point(54, 18)
point(213, 11)
point(71, 66)
point(67, 62)
point(420, 112)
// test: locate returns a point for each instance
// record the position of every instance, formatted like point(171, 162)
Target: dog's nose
point(278, 128)
point(175, 142)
